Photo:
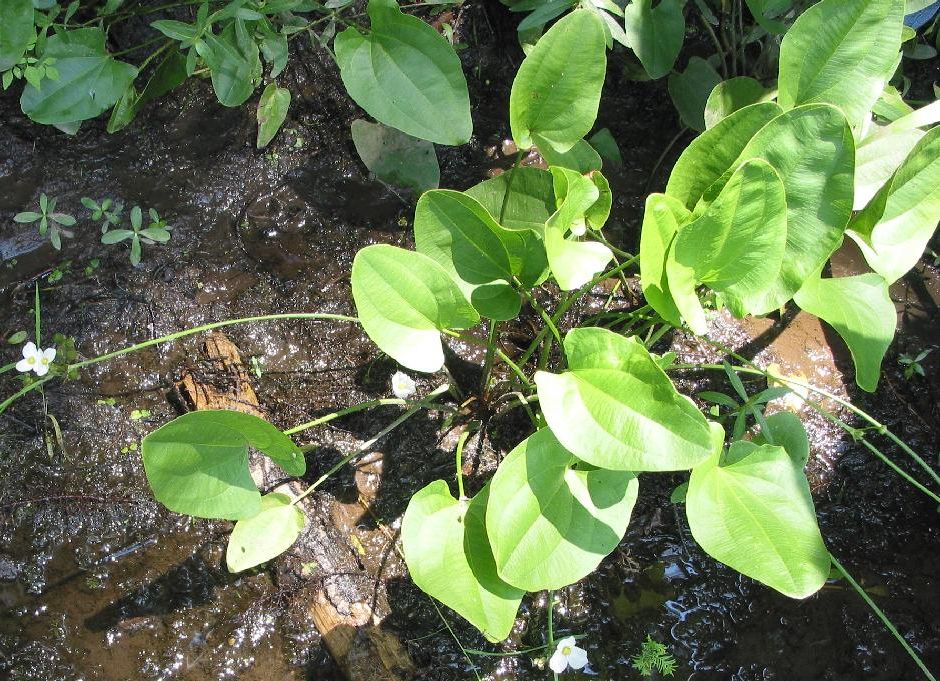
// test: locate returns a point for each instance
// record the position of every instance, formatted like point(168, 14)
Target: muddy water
point(98, 582)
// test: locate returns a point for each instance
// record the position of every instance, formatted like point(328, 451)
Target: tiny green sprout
point(653, 656)
point(138, 414)
point(30, 68)
point(108, 211)
point(256, 367)
point(158, 231)
point(92, 265)
point(51, 223)
point(912, 364)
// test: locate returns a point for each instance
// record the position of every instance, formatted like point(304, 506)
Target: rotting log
point(346, 603)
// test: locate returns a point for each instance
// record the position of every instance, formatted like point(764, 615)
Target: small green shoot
point(912, 364)
point(108, 211)
point(158, 231)
point(51, 223)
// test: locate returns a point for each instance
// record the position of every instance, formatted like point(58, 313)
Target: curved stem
point(440, 390)
point(343, 412)
point(488, 360)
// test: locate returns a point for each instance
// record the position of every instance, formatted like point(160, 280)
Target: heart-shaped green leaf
point(198, 463)
point(460, 235)
point(234, 63)
point(557, 90)
point(615, 407)
point(661, 221)
point(551, 519)
point(404, 300)
point(754, 513)
point(406, 75)
point(449, 558)
point(531, 198)
point(787, 431)
point(860, 309)
point(841, 52)
point(690, 91)
point(264, 536)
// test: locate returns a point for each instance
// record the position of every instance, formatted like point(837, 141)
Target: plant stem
point(366, 445)
point(29, 388)
point(461, 441)
point(499, 353)
point(318, 316)
point(884, 618)
point(551, 625)
point(488, 360)
point(512, 177)
point(343, 412)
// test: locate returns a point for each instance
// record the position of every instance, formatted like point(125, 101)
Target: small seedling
point(912, 365)
point(107, 211)
point(51, 223)
point(653, 656)
point(158, 231)
point(752, 405)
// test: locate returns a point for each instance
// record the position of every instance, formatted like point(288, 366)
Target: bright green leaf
point(841, 52)
point(404, 299)
point(551, 519)
point(605, 145)
point(198, 463)
point(616, 408)
point(396, 158)
point(557, 90)
point(713, 152)
point(531, 199)
point(459, 234)
point(574, 263)
point(756, 515)
point(234, 64)
point(581, 158)
point(272, 112)
point(264, 536)
point(449, 557)
point(787, 431)
point(860, 309)
point(661, 221)
point(406, 75)
point(736, 247)
point(894, 229)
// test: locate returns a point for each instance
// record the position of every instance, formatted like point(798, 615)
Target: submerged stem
point(884, 618)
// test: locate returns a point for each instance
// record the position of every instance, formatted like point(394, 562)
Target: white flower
point(567, 654)
point(402, 385)
point(35, 359)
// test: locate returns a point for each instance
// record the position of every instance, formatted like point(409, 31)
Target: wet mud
point(99, 582)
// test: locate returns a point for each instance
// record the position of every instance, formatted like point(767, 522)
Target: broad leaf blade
point(557, 90)
point(551, 519)
point(841, 52)
point(264, 536)
point(449, 557)
point(730, 96)
point(396, 158)
point(616, 408)
point(272, 112)
point(656, 33)
point(234, 64)
point(404, 299)
point(860, 309)
point(90, 82)
point(690, 91)
point(459, 234)
point(406, 75)
point(16, 30)
point(661, 222)
point(756, 515)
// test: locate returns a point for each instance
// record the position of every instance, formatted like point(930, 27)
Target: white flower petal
point(24, 366)
point(558, 662)
point(30, 350)
point(578, 658)
point(41, 369)
point(403, 386)
point(566, 642)
point(49, 354)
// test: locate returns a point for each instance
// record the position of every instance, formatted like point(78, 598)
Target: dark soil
point(99, 582)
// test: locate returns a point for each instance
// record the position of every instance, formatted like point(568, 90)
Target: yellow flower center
point(30, 360)
point(566, 651)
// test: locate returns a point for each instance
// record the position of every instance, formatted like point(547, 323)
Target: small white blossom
point(35, 359)
point(567, 654)
point(402, 385)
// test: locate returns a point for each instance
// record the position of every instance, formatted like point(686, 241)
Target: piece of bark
point(346, 607)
